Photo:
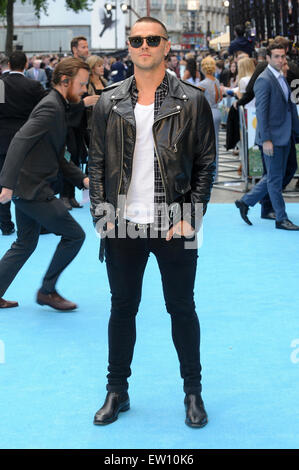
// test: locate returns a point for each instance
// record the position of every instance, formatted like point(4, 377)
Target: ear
point(167, 48)
point(65, 80)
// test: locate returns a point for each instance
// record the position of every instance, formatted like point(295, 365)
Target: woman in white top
point(246, 67)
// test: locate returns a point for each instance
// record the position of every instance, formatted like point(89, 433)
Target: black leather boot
point(114, 403)
point(196, 416)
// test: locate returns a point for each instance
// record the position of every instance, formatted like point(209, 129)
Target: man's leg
point(126, 261)
point(276, 166)
point(53, 215)
point(27, 237)
point(178, 269)
point(56, 219)
point(291, 167)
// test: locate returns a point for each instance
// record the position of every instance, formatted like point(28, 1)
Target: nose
point(144, 41)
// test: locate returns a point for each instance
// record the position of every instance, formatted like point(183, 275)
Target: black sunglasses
point(151, 41)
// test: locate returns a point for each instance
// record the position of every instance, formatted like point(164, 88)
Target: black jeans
point(126, 260)
point(30, 216)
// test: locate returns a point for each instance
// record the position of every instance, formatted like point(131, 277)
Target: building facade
point(189, 22)
point(266, 18)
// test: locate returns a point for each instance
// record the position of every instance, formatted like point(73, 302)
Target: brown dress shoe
point(8, 304)
point(55, 300)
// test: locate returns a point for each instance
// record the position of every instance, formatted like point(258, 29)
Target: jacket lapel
point(276, 83)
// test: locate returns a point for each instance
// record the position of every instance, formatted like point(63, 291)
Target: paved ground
point(231, 180)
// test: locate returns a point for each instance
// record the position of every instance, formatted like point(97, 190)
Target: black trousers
point(5, 214)
point(126, 260)
point(30, 216)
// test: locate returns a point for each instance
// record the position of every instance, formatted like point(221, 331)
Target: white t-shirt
point(242, 89)
point(140, 197)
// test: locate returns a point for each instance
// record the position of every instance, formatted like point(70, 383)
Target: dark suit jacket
point(21, 96)
point(36, 153)
point(277, 117)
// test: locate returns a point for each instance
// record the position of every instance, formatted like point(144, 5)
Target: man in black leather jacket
point(152, 148)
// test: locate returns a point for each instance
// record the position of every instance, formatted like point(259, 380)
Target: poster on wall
point(255, 165)
point(108, 28)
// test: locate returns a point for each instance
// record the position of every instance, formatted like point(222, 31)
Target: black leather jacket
point(184, 140)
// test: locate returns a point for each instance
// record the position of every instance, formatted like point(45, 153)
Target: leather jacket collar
point(121, 97)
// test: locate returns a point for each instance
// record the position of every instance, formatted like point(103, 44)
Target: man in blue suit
point(36, 73)
point(277, 124)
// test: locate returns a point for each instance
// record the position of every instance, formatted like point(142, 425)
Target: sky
point(58, 15)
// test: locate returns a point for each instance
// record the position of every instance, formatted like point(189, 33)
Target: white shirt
point(14, 71)
point(140, 197)
point(281, 80)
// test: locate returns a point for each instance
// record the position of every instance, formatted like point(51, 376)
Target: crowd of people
point(154, 140)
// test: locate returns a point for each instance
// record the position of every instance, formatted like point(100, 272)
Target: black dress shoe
point(114, 403)
point(270, 216)
point(196, 415)
point(286, 225)
point(55, 301)
point(74, 203)
point(8, 229)
point(8, 304)
point(243, 210)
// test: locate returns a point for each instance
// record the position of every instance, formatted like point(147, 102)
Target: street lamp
point(226, 3)
point(125, 8)
point(109, 7)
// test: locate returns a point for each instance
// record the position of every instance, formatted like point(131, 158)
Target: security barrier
point(249, 156)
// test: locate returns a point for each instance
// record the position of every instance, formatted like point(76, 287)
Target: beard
point(72, 97)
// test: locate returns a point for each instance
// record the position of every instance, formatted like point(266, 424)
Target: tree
point(7, 10)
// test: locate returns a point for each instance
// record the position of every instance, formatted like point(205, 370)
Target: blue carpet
point(53, 367)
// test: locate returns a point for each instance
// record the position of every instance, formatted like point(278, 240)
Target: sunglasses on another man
point(151, 41)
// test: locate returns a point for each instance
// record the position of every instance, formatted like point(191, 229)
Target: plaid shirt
point(159, 192)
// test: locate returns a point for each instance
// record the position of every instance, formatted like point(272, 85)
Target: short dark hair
point(240, 30)
point(275, 45)
point(151, 19)
point(75, 41)
point(69, 67)
point(17, 60)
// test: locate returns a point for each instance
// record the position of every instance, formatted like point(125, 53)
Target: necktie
point(284, 86)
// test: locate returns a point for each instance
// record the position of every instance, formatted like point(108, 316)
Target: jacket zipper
point(177, 140)
point(122, 155)
point(155, 146)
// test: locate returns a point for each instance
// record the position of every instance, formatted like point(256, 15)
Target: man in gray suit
point(277, 124)
point(36, 73)
point(29, 177)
